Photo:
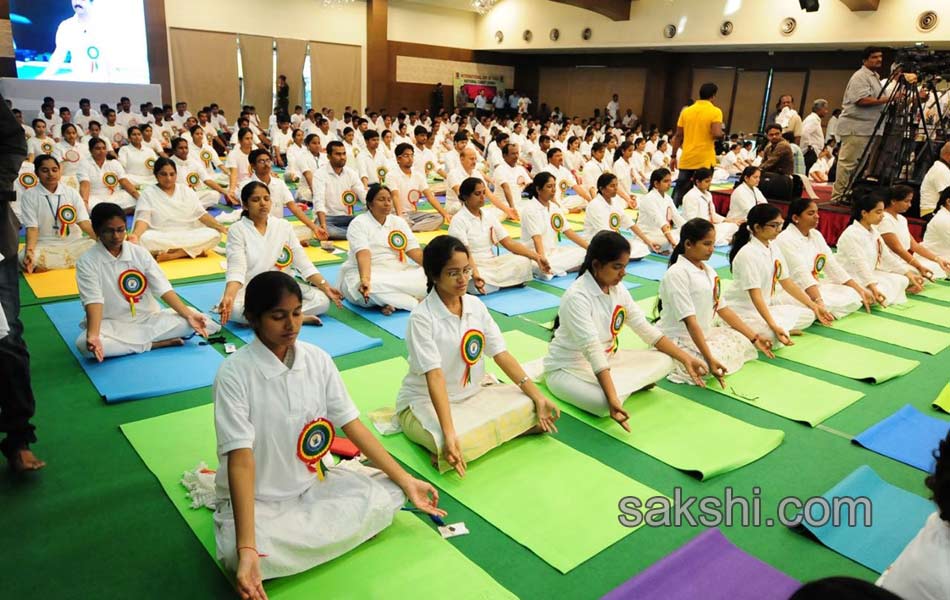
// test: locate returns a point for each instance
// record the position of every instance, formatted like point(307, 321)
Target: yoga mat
point(137, 376)
point(334, 337)
point(396, 323)
point(716, 261)
point(711, 567)
point(559, 503)
point(943, 400)
point(897, 517)
point(908, 436)
point(61, 282)
point(786, 393)
point(932, 314)
point(897, 333)
point(176, 442)
point(520, 300)
point(679, 432)
point(647, 269)
point(845, 359)
point(936, 291)
point(564, 281)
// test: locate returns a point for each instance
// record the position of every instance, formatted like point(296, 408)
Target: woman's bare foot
point(170, 255)
point(39, 269)
point(24, 460)
point(388, 309)
point(312, 320)
point(795, 332)
point(167, 343)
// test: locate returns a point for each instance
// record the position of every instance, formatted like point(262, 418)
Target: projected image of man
point(80, 38)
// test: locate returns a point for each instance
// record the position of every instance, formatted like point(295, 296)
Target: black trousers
point(684, 183)
point(16, 391)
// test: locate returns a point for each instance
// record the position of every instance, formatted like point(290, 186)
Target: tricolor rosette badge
point(557, 224)
point(28, 180)
point(46, 147)
point(314, 443)
point(616, 324)
point(285, 258)
point(381, 173)
point(430, 166)
point(717, 293)
point(776, 275)
point(820, 261)
point(193, 180)
point(150, 163)
point(613, 221)
point(473, 343)
point(110, 180)
point(117, 137)
point(414, 196)
point(132, 284)
point(71, 156)
point(67, 216)
point(349, 199)
point(398, 242)
point(563, 185)
point(206, 156)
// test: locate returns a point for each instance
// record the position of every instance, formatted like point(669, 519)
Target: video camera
point(923, 61)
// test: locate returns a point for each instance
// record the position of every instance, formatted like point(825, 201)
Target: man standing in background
point(437, 102)
point(813, 138)
point(698, 128)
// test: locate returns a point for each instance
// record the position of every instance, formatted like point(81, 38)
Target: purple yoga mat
point(709, 567)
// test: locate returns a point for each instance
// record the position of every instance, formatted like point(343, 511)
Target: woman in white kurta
point(260, 242)
point(639, 160)
point(149, 140)
point(170, 221)
point(137, 159)
point(937, 236)
point(585, 365)
point(192, 173)
point(384, 265)
point(566, 180)
point(627, 174)
point(759, 271)
point(277, 403)
point(746, 194)
point(814, 267)
point(606, 213)
point(119, 286)
point(102, 179)
point(70, 153)
point(544, 224)
point(867, 258)
point(482, 233)
point(55, 219)
point(446, 403)
point(237, 165)
point(658, 218)
point(896, 234)
point(698, 203)
point(691, 299)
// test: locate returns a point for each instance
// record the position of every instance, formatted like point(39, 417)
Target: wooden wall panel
point(828, 84)
point(788, 82)
point(750, 95)
point(722, 77)
point(578, 91)
point(335, 80)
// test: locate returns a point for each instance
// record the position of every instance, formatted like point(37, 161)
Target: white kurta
point(482, 235)
point(173, 221)
point(437, 339)
point(743, 198)
point(395, 280)
point(238, 160)
point(192, 173)
point(897, 224)
point(41, 209)
point(603, 216)
point(697, 204)
point(937, 236)
point(452, 202)
point(138, 164)
point(591, 173)
point(688, 291)
point(249, 254)
point(541, 221)
point(862, 253)
point(100, 187)
point(920, 572)
point(812, 263)
point(70, 158)
point(585, 343)
point(565, 180)
point(658, 213)
point(333, 190)
point(121, 332)
point(757, 266)
point(300, 521)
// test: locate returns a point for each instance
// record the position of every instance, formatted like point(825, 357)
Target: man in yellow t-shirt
point(697, 129)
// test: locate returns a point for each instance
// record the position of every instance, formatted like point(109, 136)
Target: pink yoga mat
point(709, 567)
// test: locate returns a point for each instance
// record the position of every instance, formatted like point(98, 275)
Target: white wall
point(756, 24)
point(437, 26)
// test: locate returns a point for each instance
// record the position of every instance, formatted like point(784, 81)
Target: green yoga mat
point(919, 310)
point(943, 400)
point(937, 291)
point(846, 359)
point(176, 442)
point(786, 393)
point(677, 431)
point(892, 331)
point(559, 503)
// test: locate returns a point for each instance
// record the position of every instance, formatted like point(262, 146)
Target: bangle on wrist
point(248, 548)
point(523, 381)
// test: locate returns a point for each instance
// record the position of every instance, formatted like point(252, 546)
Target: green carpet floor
point(96, 524)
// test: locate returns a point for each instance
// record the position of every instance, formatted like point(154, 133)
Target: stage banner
point(467, 86)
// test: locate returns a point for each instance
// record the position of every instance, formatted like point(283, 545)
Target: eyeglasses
point(774, 225)
point(457, 274)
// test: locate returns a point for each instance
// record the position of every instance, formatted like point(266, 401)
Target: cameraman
point(862, 105)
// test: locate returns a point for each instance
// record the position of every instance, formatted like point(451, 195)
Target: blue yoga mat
point(647, 269)
point(724, 250)
point(565, 281)
point(716, 261)
point(897, 517)
point(334, 337)
point(137, 376)
point(396, 323)
point(908, 435)
point(518, 301)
